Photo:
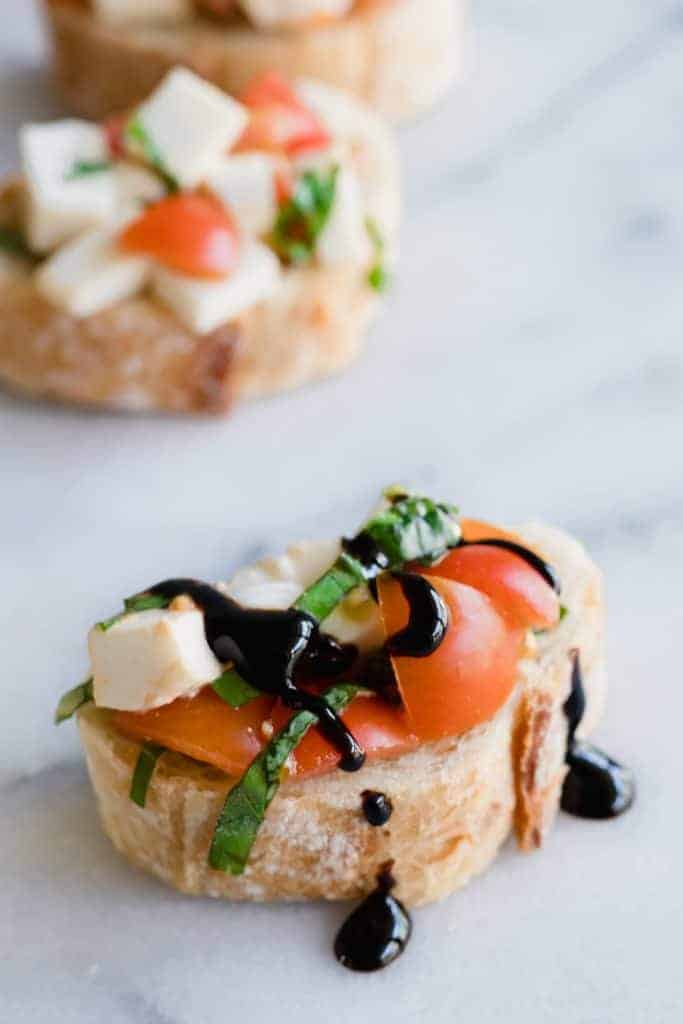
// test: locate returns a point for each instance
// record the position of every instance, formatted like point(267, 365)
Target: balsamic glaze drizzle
point(595, 786)
point(266, 647)
point(428, 620)
point(530, 557)
point(365, 550)
point(377, 807)
point(377, 931)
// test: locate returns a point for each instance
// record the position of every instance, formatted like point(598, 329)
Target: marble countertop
point(529, 364)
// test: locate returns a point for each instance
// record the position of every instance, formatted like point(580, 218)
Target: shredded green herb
point(301, 219)
point(13, 242)
point(564, 612)
point(73, 700)
point(379, 277)
point(84, 168)
point(234, 690)
point(137, 603)
point(144, 770)
point(247, 802)
point(137, 137)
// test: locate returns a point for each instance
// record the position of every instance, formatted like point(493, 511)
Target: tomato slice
point(280, 122)
point(203, 727)
point(114, 129)
point(472, 672)
point(517, 590)
point(190, 233)
point(381, 730)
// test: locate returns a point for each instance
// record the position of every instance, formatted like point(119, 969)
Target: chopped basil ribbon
point(234, 690)
point(84, 168)
point(301, 218)
point(13, 242)
point(73, 700)
point(247, 802)
point(137, 603)
point(144, 770)
point(137, 137)
point(564, 612)
point(379, 277)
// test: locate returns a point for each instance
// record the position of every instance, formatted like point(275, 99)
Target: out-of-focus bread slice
point(455, 802)
point(400, 56)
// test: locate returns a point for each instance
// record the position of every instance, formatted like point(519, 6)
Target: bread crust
point(399, 56)
point(455, 802)
point(137, 356)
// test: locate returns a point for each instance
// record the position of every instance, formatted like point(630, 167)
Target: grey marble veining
point(529, 364)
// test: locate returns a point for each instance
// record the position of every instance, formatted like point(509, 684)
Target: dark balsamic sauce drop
point(266, 647)
point(596, 786)
point(530, 557)
point(377, 807)
point(377, 931)
point(428, 620)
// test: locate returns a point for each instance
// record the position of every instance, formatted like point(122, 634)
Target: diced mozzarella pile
point(190, 123)
point(59, 206)
point(246, 183)
point(274, 13)
point(344, 239)
point(90, 274)
point(150, 658)
point(144, 10)
point(278, 582)
point(204, 305)
point(136, 186)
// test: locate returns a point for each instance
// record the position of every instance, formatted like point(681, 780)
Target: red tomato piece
point(517, 590)
point(114, 131)
point(190, 233)
point(381, 730)
point(280, 122)
point(203, 727)
point(472, 672)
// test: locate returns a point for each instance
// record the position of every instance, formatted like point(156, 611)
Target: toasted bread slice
point(138, 356)
point(399, 56)
point(455, 801)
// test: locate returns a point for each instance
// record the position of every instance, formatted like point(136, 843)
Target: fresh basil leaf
point(564, 612)
point(136, 603)
point(144, 770)
point(301, 219)
point(247, 802)
point(73, 700)
point(137, 137)
point(84, 168)
point(379, 277)
point(234, 690)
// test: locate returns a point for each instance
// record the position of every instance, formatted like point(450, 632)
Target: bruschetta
point(399, 56)
point(408, 697)
point(197, 250)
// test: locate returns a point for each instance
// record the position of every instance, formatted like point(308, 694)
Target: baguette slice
point(137, 356)
point(455, 802)
point(400, 56)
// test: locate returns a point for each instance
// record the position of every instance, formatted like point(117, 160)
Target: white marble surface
point(529, 364)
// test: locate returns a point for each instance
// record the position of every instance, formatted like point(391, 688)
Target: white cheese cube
point(90, 274)
point(149, 658)
point(278, 582)
point(246, 184)
point(143, 10)
point(191, 124)
point(204, 305)
point(344, 238)
point(59, 205)
point(136, 186)
point(274, 13)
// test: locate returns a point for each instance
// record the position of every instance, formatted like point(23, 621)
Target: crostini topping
point(302, 218)
point(279, 121)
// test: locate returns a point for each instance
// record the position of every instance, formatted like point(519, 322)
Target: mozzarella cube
point(204, 305)
point(278, 582)
point(61, 206)
point(136, 186)
point(246, 184)
point(344, 238)
point(150, 658)
point(89, 274)
point(274, 13)
point(143, 10)
point(190, 124)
